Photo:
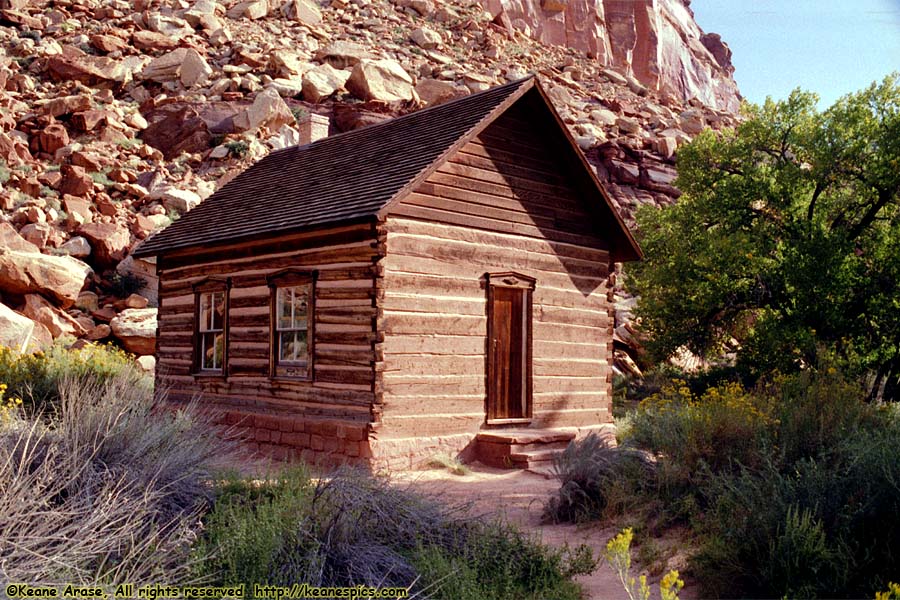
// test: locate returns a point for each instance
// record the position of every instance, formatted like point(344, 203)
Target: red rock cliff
point(656, 41)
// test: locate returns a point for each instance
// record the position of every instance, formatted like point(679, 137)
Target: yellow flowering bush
point(35, 378)
point(8, 406)
point(892, 593)
point(618, 556)
point(719, 427)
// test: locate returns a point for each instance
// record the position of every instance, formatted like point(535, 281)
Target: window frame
point(289, 278)
point(210, 285)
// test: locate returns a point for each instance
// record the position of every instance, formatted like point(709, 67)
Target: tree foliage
point(786, 239)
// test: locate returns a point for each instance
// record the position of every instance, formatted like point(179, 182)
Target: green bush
point(792, 487)
point(36, 378)
point(350, 528)
point(108, 489)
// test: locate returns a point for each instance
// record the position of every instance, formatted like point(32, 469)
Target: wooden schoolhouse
point(437, 283)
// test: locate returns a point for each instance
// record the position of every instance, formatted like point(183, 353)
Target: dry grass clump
point(109, 489)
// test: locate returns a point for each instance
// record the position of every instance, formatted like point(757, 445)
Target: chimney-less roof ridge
point(348, 176)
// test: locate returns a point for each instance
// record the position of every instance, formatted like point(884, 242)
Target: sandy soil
point(519, 496)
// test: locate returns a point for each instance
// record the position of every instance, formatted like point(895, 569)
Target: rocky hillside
point(117, 117)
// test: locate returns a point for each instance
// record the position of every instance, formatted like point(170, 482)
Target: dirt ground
point(519, 496)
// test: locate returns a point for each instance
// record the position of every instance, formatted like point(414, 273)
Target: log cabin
point(437, 283)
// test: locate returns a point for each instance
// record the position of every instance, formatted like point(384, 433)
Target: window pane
point(284, 308)
point(218, 312)
point(205, 311)
point(301, 302)
point(207, 347)
point(219, 351)
point(292, 346)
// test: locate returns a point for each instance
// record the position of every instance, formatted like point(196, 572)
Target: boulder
point(15, 330)
point(10, 238)
point(426, 38)
point(65, 105)
point(170, 26)
point(304, 11)
point(251, 9)
point(136, 329)
point(136, 301)
point(109, 242)
point(380, 80)
point(322, 81)
point(146, 363)
point(56, 321)
point(287, 64)
point(36, 233)
point(93, 70)
point(628, 125)
point(287, 88)
point(151, 40)
point(59, 277)
point(604, 116)
point(77, 247)
point(268, 110)
point(75, 181)
point(108, 43)
point(188, 126)
point(184, 64)
point(436, 91)
point(52, 138)
point(78, 209)
point(181, 201)
point(99, 332)
point(341, 55)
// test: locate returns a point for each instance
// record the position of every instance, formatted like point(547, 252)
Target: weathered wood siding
point(342, 387)
point(503, 203)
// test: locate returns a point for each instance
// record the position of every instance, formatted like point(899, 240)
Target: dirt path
point(519, 496)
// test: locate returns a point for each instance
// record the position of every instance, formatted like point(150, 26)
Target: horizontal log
point(434, 304)
point(297, 256)
point(433, 344)
point(452, 232)
point(421, 323)
point(487, 224)
point(429, 364)
point(492, 257)
point(430, 404)
point(295, 241)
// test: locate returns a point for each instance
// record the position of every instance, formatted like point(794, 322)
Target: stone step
point(534, 456)
point(522, 449)
point(526, 436)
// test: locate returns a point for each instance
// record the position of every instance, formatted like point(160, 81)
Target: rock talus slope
point(117, 117)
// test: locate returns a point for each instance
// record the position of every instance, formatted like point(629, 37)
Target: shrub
point(35, 378)
point(598, 479)
point(792, 486)
point(108, 491)
point(722, 428)
point(123, 285)
point(618, 556)
point(351, 528)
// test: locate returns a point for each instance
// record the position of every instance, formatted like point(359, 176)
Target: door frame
point(510, 279)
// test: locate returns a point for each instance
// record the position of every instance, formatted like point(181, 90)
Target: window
point(211, 320)
point(292, 324)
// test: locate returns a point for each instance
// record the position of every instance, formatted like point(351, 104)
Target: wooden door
point(509, 356)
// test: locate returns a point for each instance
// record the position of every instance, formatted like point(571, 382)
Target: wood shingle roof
point(344, 178)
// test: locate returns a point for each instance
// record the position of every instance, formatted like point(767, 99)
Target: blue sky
point(831, 47)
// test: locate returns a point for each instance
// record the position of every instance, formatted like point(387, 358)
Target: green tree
point(786, 239)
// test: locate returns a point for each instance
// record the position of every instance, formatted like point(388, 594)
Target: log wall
point(327, 416)
point(500, 204)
